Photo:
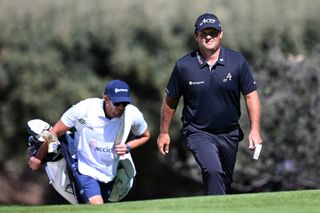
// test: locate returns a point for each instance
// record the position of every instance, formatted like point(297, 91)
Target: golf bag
point(61, 163)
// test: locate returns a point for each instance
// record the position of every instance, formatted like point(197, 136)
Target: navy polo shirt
point(211, 97)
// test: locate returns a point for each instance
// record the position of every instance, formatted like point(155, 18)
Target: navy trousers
point(216, 155)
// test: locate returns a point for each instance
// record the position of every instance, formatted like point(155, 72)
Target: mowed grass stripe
point(307, 201)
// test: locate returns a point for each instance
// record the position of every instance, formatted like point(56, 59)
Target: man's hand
point(34, 163)
point(121, 149)
point(254, 138)
point(163, 143)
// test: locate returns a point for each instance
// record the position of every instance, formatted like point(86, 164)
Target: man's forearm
point(168, 110)
point(254, 110)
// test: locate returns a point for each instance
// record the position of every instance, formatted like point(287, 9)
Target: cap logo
point(116, 90)
point(207, 21)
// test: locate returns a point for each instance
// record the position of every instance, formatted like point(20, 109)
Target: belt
point(222, 131)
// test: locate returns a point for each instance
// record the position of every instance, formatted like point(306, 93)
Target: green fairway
point(307, 201)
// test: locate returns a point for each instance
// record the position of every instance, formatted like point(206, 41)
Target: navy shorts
point(93, 187)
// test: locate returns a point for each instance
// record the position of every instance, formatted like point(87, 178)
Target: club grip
point(42, 151)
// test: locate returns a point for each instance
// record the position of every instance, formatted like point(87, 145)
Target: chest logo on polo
point(94, 146)
point(196, 82)
point(227, 78)
point(82, 121)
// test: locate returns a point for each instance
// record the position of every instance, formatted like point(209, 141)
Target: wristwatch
point(128, 148)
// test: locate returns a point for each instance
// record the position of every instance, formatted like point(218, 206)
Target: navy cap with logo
point(118, 91)
point(207, 20)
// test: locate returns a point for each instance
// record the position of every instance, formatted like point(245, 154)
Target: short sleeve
point(139, 125)
point(175, 86)
point(247, 82)
point(70, 117)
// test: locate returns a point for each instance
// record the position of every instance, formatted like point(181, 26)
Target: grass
point(281, 202)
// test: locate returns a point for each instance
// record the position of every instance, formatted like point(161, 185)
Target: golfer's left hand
point(254, 138)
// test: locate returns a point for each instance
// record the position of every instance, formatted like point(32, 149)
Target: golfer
point(210, 80)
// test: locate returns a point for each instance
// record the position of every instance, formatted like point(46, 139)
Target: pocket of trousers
point(236, 134)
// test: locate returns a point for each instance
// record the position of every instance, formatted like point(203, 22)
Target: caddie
point(97, 122)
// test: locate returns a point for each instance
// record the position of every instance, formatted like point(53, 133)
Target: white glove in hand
point(52, 141)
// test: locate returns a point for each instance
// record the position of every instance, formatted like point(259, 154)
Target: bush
point(55, 53)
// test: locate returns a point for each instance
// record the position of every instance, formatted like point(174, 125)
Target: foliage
point(55, 53)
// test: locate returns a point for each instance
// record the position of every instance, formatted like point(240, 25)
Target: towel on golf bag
point(126, 170)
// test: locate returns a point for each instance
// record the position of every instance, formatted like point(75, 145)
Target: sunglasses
point(211, 32)
point(120, 104)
